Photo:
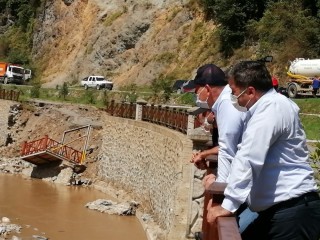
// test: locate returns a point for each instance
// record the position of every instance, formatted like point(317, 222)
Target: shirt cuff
point(230, 205)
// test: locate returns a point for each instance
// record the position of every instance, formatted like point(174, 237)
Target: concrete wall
point(152, 163)
point(4, 115)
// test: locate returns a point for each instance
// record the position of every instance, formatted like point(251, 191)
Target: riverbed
point(58, 212)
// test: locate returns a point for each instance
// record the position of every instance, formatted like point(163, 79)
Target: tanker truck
point(301, 73)
point(11, 73)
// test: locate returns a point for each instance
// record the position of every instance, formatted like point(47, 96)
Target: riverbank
point(28, 122)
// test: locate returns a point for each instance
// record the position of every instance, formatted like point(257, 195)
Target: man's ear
point(208, 87)
point(251, 91)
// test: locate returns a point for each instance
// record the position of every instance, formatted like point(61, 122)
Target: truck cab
point(10, 73)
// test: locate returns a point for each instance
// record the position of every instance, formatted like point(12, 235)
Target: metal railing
point(53, 146)
point(9, 94)
point(170, 117)
point(125, 110)
point(173, 118)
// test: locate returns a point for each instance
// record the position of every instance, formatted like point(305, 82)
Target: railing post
point(225, 228)
point(23, 148)
point(192, 113)
point(201, 140)
point(139, 108)
point(45, 142)
point(112, 107)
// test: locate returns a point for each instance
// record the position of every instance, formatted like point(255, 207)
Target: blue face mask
point(200, 103)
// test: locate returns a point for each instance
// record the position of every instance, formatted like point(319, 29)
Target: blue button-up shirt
point(230, 127)
point(272, 163)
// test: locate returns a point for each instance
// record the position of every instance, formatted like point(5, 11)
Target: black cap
point(210, 74)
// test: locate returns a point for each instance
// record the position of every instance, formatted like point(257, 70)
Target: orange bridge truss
point(46, 150)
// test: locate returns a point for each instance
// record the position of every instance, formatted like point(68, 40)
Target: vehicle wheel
point(98, 87)
point(292, 90)
point(85, 86)
point(5, 80)
point(179, 91)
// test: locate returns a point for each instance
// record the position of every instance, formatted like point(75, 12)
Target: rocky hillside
point(130, 41)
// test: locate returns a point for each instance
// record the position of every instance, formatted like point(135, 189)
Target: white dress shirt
point(230, 127)
point(272, 163)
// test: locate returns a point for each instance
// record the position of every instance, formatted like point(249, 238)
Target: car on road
point(97, 82)
point(176, 87)
point(183, 86)
point(188, 86)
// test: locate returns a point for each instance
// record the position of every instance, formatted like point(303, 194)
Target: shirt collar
point(224, 93)
point(271, 92)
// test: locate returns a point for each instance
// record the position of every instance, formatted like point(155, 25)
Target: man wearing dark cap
point(213, 92)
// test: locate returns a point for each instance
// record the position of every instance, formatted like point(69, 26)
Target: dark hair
point(210, 74)
point(251, 73)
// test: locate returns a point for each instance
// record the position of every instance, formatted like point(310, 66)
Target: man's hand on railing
point(208, 180)
point(199, 161)
point(214, 211)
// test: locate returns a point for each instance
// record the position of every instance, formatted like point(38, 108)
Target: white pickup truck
point(97, 82)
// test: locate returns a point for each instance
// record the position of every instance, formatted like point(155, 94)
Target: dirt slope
point(127, 41)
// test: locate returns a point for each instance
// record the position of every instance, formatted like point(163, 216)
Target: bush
point(130, 93)
point(89, 96)
point(35, 90)
point(315, 163)
point(187, 99)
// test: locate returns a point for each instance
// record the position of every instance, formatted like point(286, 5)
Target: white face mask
point(235, 103)
point(200, 103)
point(206, 125)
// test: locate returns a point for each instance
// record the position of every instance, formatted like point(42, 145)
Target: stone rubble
point(58, 174)
point(110, 207)
point(6, 227)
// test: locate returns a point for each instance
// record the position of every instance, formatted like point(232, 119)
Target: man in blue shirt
point(315, 86)
point(271, 170)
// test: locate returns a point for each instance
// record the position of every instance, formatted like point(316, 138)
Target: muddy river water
point(58, 212)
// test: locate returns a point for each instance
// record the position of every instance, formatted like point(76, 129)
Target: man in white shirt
point(213, 93)
point(271, 170)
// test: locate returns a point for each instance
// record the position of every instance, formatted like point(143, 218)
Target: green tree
point(64, 91)
point(25, 16)
point(233, 16)
point(295, 35)
point(161, 88)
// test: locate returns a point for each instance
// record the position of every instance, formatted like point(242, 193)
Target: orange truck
point(11, 73)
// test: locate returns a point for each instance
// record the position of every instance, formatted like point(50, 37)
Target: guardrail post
point(192, 113)
point(139, 108)
point(201, 140)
